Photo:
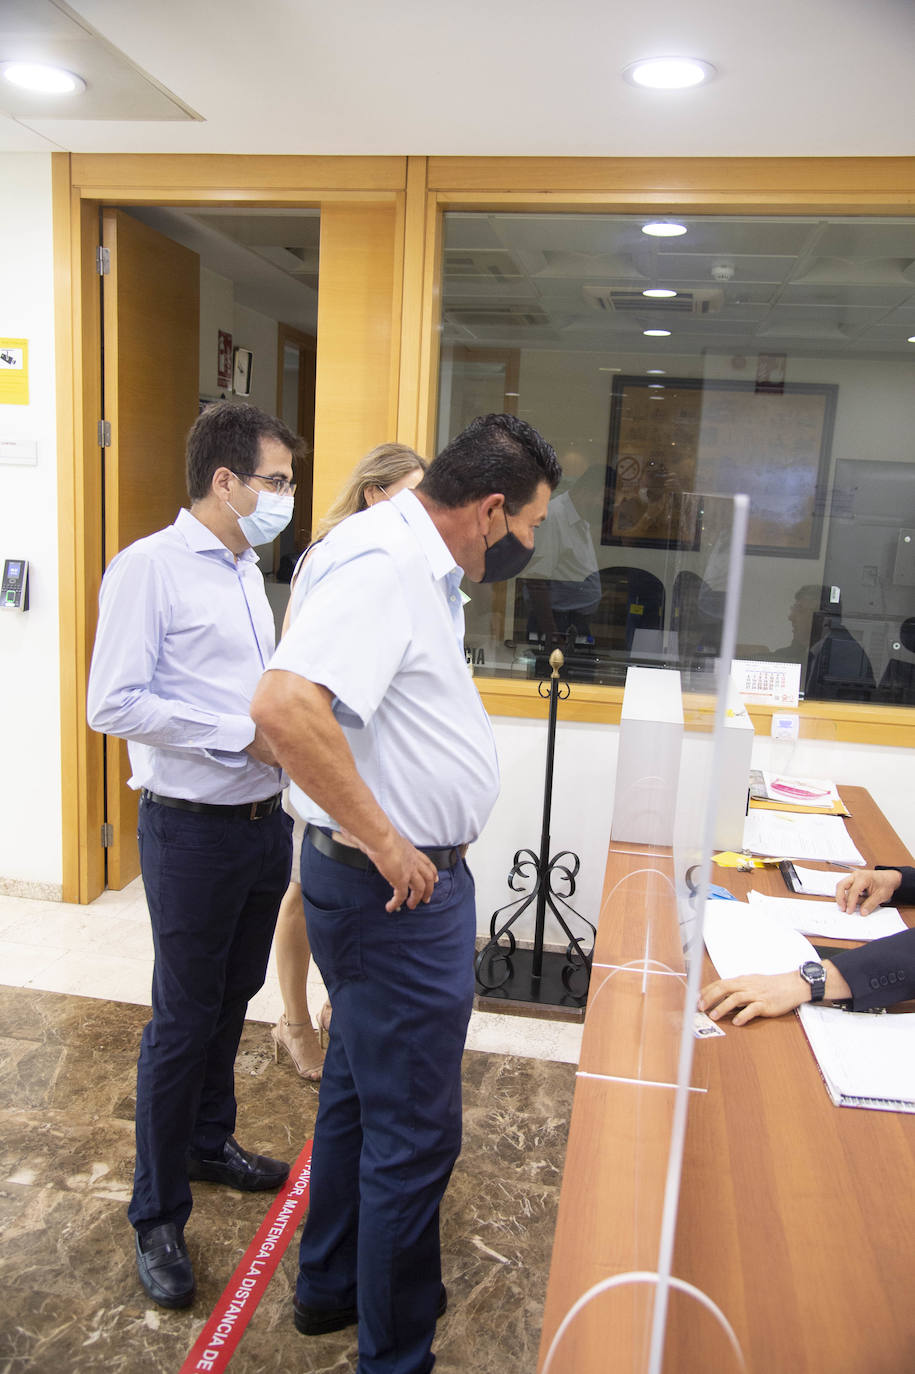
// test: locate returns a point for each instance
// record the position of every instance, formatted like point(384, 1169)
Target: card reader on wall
point(14, 591)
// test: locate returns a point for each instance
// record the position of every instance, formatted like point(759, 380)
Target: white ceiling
point(512, 77)
point(486, 77)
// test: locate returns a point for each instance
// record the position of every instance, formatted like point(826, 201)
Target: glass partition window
point(767, 356)
point(675, 786)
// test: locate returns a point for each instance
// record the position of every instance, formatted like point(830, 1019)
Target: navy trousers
point(213, 887)
point(389, 1117)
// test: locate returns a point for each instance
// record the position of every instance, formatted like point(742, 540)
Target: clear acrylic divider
point(608, 1309)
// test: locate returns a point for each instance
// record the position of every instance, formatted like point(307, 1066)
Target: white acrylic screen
point(637, 1065)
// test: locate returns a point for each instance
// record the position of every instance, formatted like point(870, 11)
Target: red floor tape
point(217, 1342)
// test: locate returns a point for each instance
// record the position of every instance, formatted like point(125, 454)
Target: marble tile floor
point(74, 989)
point(71, 1298)
point(105, 950)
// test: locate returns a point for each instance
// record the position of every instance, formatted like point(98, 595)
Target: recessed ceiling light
point(659, 293)
point(609, 369)
point(34, 76)
point(664, 229)
point(656, 371)
point(911, 338)
point(656, 333)
point(655, 386)
point(669, 73)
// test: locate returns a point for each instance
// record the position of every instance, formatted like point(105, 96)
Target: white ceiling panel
point(795, 78)
point(49, 32)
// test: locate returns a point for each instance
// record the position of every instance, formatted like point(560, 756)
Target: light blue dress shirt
point(377, 619)
point(183, 635)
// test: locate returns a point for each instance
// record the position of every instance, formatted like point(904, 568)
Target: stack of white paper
point(787, 835)
point(821, 918)
point(741, 940)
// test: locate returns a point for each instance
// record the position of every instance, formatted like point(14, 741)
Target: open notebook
point(866, 1061)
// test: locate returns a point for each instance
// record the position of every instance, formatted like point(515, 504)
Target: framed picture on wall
point(224, 361)
point(672, 440)
point(241, 375)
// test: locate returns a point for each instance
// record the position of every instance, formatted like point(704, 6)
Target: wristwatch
point(814, 973)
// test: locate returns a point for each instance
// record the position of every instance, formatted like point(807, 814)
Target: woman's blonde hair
point(384, 466)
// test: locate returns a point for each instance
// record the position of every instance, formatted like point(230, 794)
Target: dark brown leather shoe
point(237, 1168)
point(164, 1266)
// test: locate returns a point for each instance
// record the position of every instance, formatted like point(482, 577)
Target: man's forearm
point(837, 990)
point(297, 719)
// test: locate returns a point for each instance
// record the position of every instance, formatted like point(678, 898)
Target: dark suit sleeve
point(881, 972)
point(905, 892)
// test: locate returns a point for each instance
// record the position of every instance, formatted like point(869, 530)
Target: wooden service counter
point(796, 1218)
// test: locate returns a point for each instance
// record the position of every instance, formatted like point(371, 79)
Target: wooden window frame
point(658, 186)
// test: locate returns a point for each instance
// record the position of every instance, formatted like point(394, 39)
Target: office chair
point(698, 632)
point(631, 599)
point(897, 683)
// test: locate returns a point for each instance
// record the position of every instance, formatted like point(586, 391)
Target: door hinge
point(103, 261)
point(104, 434)
point(107, 835)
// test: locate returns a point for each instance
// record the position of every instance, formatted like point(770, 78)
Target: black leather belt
point(248, 811)
point(354, 858)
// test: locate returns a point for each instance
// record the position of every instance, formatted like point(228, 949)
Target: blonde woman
point(384, 472)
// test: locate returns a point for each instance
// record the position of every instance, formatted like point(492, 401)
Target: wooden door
point(151, 321)
point(295, 403)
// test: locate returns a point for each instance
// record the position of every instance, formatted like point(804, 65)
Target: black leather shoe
point(237, 1168)
point(164, 1267)
point(319, 1321)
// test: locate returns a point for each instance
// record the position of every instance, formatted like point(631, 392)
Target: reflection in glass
point(786, 375)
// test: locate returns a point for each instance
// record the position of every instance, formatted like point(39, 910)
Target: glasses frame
point(282, 486)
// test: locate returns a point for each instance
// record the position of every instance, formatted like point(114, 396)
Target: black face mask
point(506, 557)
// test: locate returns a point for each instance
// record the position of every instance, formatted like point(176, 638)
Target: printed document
point(741, 940)
point(826, 919)
point(787, 835)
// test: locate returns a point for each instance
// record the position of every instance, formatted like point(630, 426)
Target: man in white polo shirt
point(369, 706)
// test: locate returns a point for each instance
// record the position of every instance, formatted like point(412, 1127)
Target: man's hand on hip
point(411, 874)
point(260, 748)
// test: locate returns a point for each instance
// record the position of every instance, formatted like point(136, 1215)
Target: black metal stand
point(535, 981)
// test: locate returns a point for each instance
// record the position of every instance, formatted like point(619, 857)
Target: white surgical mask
point(269, 518)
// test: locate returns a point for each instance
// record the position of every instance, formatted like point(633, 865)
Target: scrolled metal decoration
point(503, 969)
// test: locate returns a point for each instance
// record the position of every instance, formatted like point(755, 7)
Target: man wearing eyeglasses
point(185, 631)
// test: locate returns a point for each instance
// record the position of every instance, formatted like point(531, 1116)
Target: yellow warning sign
point(14, 372)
